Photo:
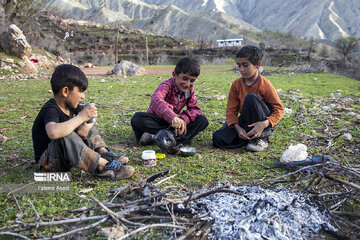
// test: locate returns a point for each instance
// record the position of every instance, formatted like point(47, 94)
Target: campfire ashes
point(259, 213)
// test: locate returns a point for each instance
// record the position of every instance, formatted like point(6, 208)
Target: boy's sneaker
point(266, 133)
point(110, 155)
point(116, 171)
point(146, 139)
point(257, 145)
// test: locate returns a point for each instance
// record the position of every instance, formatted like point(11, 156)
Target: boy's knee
point(73, 136)
point(216, 139)
point(203, 121)
point(136, 119)
point(251, 97)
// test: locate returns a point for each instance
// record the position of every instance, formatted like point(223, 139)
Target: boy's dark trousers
point(151, 123)
point(254, 110)
point(72, 151)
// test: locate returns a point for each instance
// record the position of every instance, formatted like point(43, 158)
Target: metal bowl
point(188, 151)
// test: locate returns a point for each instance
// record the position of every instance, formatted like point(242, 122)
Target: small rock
point(326, 108)
point(8, 60)
point(347, 100)
point(21, 64)
point(88, 65)
point(288, 111)
point(347, 123)
point(102, 80)
point(331, 95)
point(337, 94)
point(7, 67)
point(111, 232)
point(219, 97)
point(347, 136)
point(351, 114)
point(3, 138)
point(357, 118)
point(314, 79)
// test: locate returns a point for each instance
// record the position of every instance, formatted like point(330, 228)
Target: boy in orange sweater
point(255, 98)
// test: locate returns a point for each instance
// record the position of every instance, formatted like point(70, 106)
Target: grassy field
point(118, 99)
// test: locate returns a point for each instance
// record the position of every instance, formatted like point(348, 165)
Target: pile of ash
point(258, 213)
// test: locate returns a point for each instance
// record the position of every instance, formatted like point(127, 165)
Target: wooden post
point(116, 46)
point(147, 51)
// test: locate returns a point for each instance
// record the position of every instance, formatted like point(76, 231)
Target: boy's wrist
point(267, 123)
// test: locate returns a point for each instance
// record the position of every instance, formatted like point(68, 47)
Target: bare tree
point(346, 45)
point(311, 42)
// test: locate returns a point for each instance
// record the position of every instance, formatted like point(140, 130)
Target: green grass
point(118, 99)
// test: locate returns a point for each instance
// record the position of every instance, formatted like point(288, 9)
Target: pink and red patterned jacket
point(168, 101)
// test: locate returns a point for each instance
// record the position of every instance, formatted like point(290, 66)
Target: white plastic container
point(148, 155)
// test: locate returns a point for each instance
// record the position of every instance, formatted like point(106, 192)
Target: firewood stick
point(157, 217)
point(165, 179)
point(357, 187)
point(79, 229)
point(147, 227)
point(348, 214)
point(14, 234)
point(66, 221)
point(295, 172)
point(205, 194)
point(38, 219)
point(17, 204)
point(110, 212)
point(117, 205)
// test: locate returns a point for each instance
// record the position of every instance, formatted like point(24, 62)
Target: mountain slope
point(213, 19)
point(321, 19)
point(170, 20)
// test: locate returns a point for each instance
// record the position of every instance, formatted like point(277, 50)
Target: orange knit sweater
point(263, 88)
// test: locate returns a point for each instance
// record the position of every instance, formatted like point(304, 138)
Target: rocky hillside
point(170, 20)
point(321, 19)
point(215, 19)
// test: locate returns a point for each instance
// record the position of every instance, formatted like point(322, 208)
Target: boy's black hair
point(252, 53)
point(67, 75)
point(187, 65)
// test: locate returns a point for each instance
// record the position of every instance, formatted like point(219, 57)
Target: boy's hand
point(89, 112)
point(83, 129)
point(241, 132)
point(257, 129)
point(179, 125)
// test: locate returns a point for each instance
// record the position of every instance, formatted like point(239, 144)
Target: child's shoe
point(116, 171)
point(266, 133)
point(110, 155)
point(146, 139)
point(257, 145)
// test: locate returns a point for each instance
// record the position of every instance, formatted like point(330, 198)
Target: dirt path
point(103, 70)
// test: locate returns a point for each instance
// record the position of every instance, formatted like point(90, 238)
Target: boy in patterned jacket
point(166, 107)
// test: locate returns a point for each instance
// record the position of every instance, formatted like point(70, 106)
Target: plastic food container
point(148, 155)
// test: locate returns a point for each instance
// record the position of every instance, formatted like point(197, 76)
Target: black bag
point(165, 139)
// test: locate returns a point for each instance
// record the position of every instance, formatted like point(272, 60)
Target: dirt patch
point(103, 70)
